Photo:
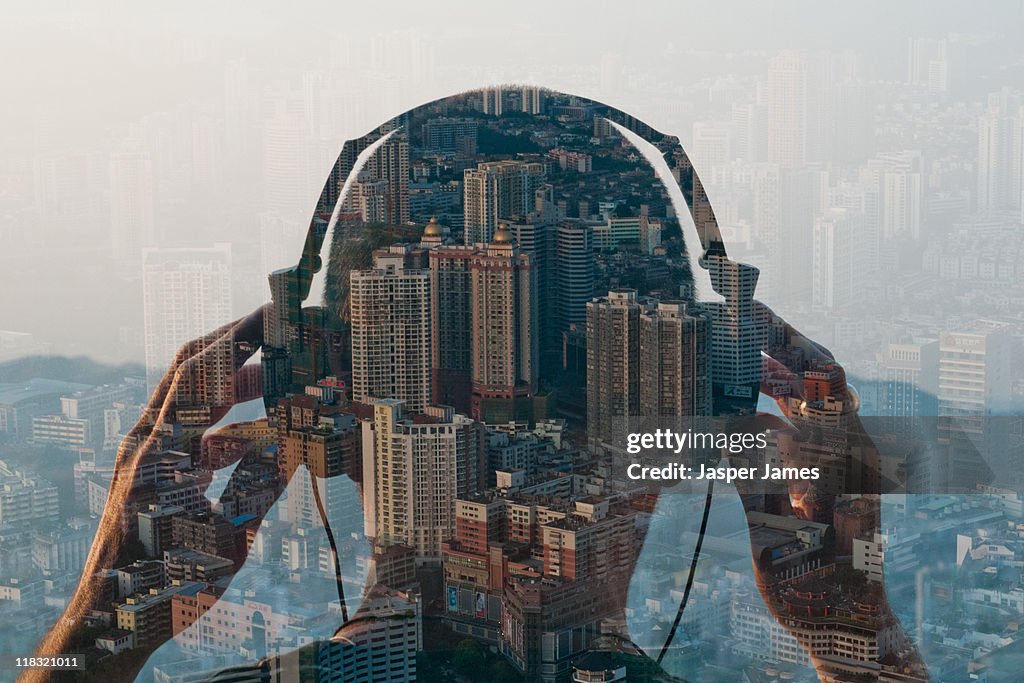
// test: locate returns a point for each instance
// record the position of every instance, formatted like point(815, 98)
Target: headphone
point(717, 283)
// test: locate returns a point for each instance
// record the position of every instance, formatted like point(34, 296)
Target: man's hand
point(242, 336)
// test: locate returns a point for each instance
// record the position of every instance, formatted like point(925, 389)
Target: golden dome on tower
point(503, 235)
point(433, 229)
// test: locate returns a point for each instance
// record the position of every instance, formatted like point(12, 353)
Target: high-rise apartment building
point(391, 163)
point(371, 199)
point(450, 135)
point(495, 191)
point(382, 646)
point(493, 100)
point(675, 361)
point(132, 205)
point(739, 332)
point(974, 371)
point(613, 362)
point(537, 238)
point(644, 358)
point(573, 277)
point(451, 325)
point(505, 334)
point(1001, 152)
point(927, 63)
point(413, 470)
point(787, 108)
point(186, 293)
point(974, 387)
point(391, 328)
point(381, 191)
point(839, 258)
point(327, 450)
point(26, 499)
point(910, 377)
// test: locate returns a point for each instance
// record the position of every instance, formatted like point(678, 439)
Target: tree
point(469, 658)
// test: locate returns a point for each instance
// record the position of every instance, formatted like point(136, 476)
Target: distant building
point(62, 551)
point(839, 258)
point(382, 188)
point(26, 499)
point(92, 405)
point(22, 593)
point(975, 374)
point(910, 379)
point(186, 293)
point(457, 136)
point(22, 401)
point(64, 432)
point(786, 95)
point(877, 552)
point(1000, 152)
point(495, 191)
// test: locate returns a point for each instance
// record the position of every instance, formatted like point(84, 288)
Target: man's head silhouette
point(510, 274)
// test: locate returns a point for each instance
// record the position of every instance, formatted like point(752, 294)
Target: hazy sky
point(82, 81)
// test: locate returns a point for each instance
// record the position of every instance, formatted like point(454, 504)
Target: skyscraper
point(613, 362)
point(493, 100)
point(496, 191)
point(675, 361)
point(391, 163)
point(787, 108)
point(536, 238)
point(927, 64)
point(381, 191)
point(451, 325)
point(505, 334)
point(185, 294)
point(645, 357)
point(573, 273)
point(391, 323)
point(415, 471)
point(899, 182)
point(974, 371)
point(132, 205)
point(839, 258)
point(739, 332)
point(531, 99)
point(1001, 152)
point(910, 376)
point(974, 386)
point(285, 156)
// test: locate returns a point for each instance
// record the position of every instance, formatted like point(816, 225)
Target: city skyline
point(448, 413)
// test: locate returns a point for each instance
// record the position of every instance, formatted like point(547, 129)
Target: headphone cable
point(692, 574)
